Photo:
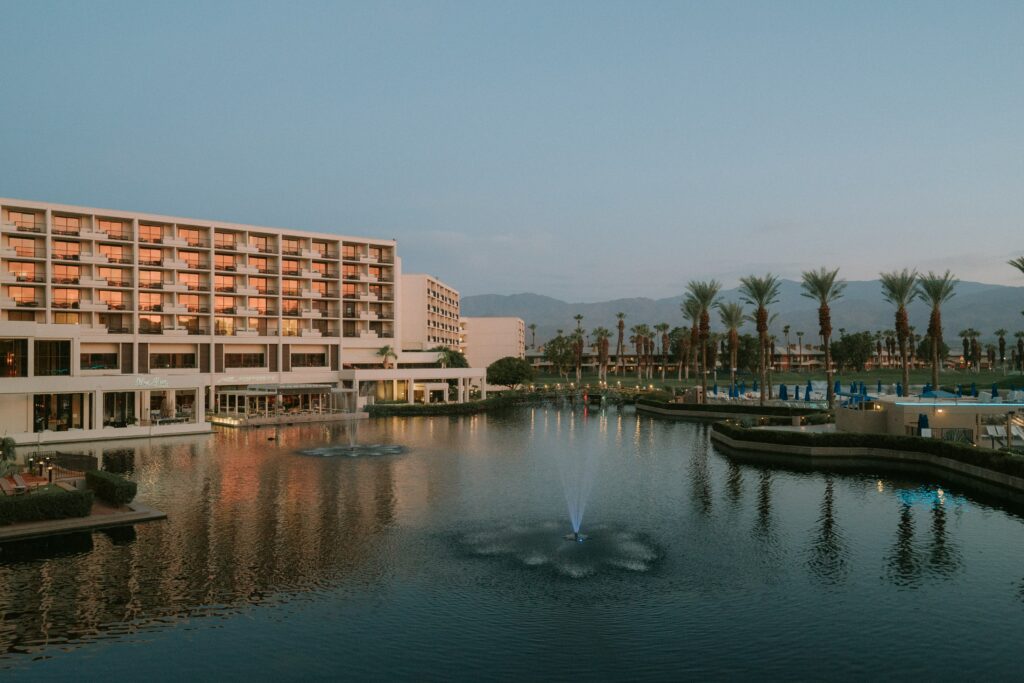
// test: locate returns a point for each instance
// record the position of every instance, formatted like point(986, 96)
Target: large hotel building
point(120, 324)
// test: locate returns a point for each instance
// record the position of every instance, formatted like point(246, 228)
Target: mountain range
point(984, 307)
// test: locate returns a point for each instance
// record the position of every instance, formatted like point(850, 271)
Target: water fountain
point(353, 449)
point(578, 469)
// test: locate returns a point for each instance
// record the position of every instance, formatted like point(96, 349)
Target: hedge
point(111, 488)
point(411, 409)
point(45, 504)
point(781, 411)
point(997, 461)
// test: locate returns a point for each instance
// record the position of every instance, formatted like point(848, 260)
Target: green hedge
point(997, 461)
point(411, 409)
point(739, 409)
point(50, 503)
point(110, 487)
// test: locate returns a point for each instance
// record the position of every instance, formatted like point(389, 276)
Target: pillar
point(97, 409)
point(200, 411)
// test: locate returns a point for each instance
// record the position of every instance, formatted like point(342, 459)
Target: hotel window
point(150, 302)
point(13, 358)
point(191, 323)
point(65, 318)
point(290, 246)
point(150, 257)
point(26, 296)
point(151, 234)
point(67, 250)
point(348, 253)
point(25, 220)
point(320, 287)
point(25, 246)
point(21, 316)
point(289, 267)
point(309, 360)
point(225, 326)
point(115, 253)
point(152, 279)
point(172, 361)
point(244, 360)
point(190, 302)
point(98, 361)
point(65, 298)
point(25, 272)
point(58, 412)
point(192, 237)
point(190, 280)
point(224, 240)
point(115, 277)
point(52, 358)
point(224, 304)
point(259, 242)
point(192, 259)
point(259, 263)
point(320, 268)
point(66, 225)
point(224, 262)
point(350, 273)
point(260, 305)
point(115, 229)
point(150, 324)
point(224, 283)
point(259, 284)
point(113, 300)
point(348, 291)
point(290, 287)
point(290, 328)
point(65, 275)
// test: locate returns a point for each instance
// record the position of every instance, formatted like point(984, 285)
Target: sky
point(582, 150)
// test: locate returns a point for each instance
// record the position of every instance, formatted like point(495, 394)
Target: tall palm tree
point(1001, 335)
point(577, 350)
point(1018, 263)
point(760, 292)
point(898, 288)
point(662, 329)
point(965, 338)
point(825, 287)
point(705, 294)
point(619, 346)
point(601, 336)
point(789, 352)
point(1020, 350)
point(533, 335)
point(691, 313)
point(732, 317)
point(799, 349)
point(936, 290)
point(637, 339)
point(386, 353)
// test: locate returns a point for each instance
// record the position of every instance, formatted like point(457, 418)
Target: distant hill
point(981, 306)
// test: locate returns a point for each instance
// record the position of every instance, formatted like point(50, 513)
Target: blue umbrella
point(837, 389)
point(715, 389)
point(853, 387)
point(743, 387)
point(922, 421)
point(879, 386)
point(863, 389)
point(755, 385)
point(959, 389)
point(796, 392)
point(995, 390)
point(783, 394)
point(974, 389)
point(807, 395)
point(899, 389)
point(809, 387)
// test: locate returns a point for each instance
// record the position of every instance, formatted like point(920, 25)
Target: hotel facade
point(122, 324)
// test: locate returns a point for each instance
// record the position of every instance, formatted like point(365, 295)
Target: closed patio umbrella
point(879, 386)
point(922, 422)
point(783, 394)
point(974, 389)
point(995, 390)
point(899, 389)
point(796, 392)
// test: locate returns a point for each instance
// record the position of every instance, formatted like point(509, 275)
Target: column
point(200, 405)
point(97, 409)
point(410, 396)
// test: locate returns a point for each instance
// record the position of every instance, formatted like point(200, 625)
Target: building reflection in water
point(827, 560)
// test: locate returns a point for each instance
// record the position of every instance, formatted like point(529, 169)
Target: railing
point(64, 280)
point(198, 288)
point(27, 303)
point(29, 278)
point(151, 285)
point(224, 288)
point(66, 257)
point(65, 232)
point(30, 252)
point(118, 283)
point(152, 308)
point(198, 330)
point(25, 226)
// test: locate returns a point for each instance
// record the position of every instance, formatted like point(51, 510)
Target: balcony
point(310, 294)
point(176, 287)
point(306, 273)
point(151, 240)
point(227, 310)
point(368, 297)
point(368, 315)
point(248, 248)
point(152, 308)
point(246, 332)
point(226, 268)
point(310, 333)
point(175, 331)
point(248, 270)
point(247, 311)
point(291, 251)
point(89, 233)
point(89, 281)
point(151, 262)
point(124, 284)
point(176, 264)
point(66, 256)
point(176, 308)
point(196, 265)
point(176, 242)
point(221, 245)
point(197, 330)
point(93, 305)
point(247, 291)
point(99, 259)
point(151, 285)
point(23, 226)
point(125, 260)
point(290, 312)
point(227, 289)
point(309, 313)
point(201, 287)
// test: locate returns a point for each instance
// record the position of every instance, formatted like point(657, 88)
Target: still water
point(448, 562)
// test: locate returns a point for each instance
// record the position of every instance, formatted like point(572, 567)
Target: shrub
point(49, 503)
point(509, 371)
point(683, 408)
point(411, 409)
point(7, 448)
point(110, 487)
point(971, 455)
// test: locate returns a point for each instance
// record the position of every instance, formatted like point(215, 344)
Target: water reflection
point(827, 560)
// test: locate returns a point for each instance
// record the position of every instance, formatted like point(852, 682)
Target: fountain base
point(576, 536)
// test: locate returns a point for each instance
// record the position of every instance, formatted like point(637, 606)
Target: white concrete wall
point(485, 340)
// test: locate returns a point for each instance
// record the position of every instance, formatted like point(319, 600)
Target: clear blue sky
point(581, 150)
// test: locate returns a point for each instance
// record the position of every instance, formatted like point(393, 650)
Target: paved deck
point(101, 518)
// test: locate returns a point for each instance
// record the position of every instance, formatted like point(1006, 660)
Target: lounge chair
point(996, 434)
point(19, 484)
point(6, 486)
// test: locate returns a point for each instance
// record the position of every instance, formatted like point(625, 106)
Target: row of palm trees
point(899, 288)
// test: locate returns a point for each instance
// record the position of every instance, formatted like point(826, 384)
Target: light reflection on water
point(700, 562)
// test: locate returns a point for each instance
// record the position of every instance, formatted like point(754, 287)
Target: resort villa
point(121, 324)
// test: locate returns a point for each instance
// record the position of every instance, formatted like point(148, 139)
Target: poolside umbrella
point(783, 394)
point(755, 385)
point(743, 387)
point(995, 390)
point(807, 394)
point(863, 389)
point(837, 389)
point(879, 386)
point(853, 387)
point(922, 422)
point(809, 388)
point(974, 389)
point(959, 389)
point(899, 389)
point(715, 389)
point(796, 392)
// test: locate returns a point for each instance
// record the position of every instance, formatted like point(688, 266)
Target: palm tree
point(601, 336)
point(789, 354)
point(637, 340)
point(898, 288)
point(386, 353)
point(732, 317)
point(533, 335)
point(619, 346)
point(577, 350)
point(662, 329)
point(760, 292)
point(705, 294)
point(824, 287)
point(936, 290)
point(1018, 263)
point(1020, 350)
point(1001, 335)
point(799, 349)
point(691, 313)
point(965, 337)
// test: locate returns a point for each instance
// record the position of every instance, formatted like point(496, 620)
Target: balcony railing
point(57, 256)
